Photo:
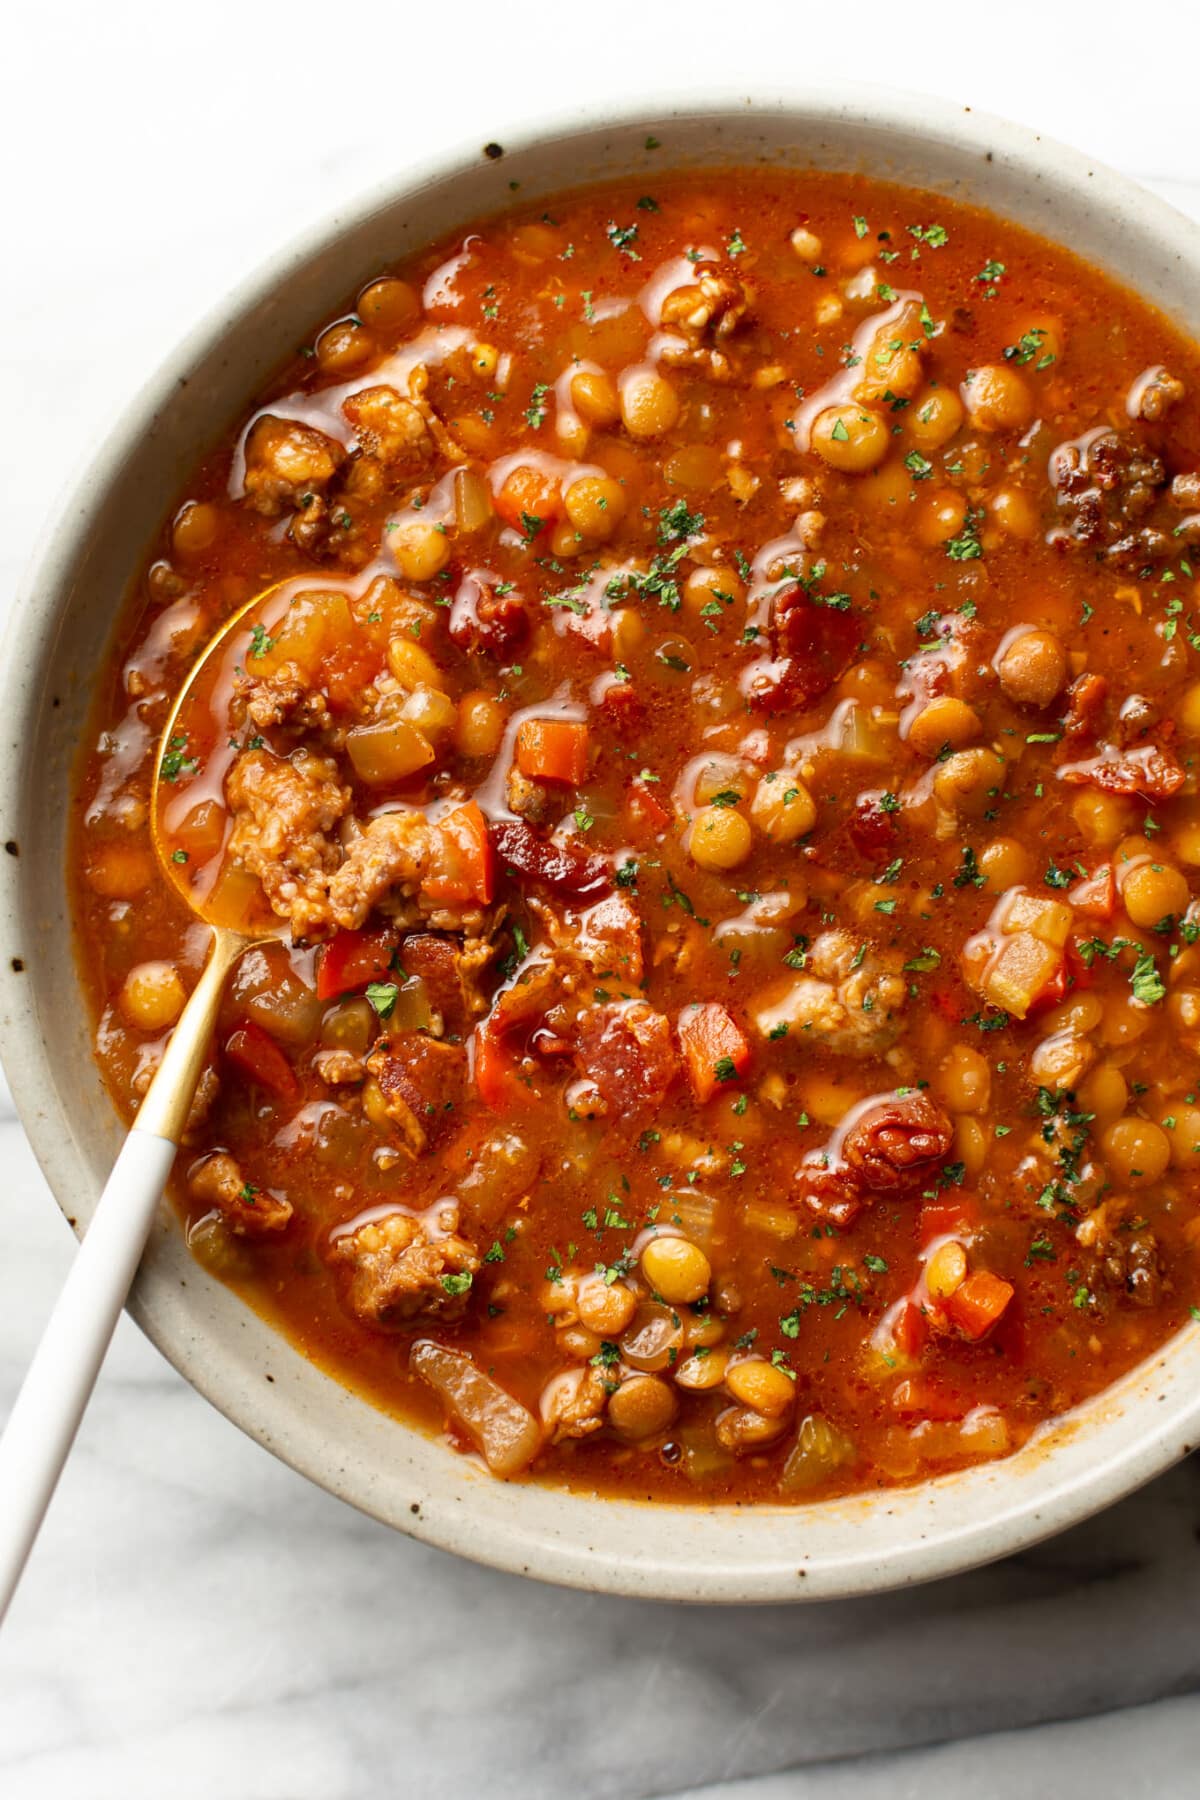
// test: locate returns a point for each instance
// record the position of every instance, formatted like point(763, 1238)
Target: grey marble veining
point(195, 1605)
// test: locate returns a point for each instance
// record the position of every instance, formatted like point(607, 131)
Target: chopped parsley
point(966, 547)
point(383, 996)
point(175, 760)
point(535, 412)
point(623, 237)
point(1028, 347)
point(1146, 981)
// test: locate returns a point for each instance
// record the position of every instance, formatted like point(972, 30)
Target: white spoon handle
point(59, 1382)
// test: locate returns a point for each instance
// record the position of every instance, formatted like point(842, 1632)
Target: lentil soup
point(719, 748)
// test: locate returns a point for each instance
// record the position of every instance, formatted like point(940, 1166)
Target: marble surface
point(197, 1620)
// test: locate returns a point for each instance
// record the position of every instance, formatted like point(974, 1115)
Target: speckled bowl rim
point(866, 1544)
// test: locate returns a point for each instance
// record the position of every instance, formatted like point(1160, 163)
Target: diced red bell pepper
point(977, 1304)
point(714, 1047)
point(352, 959)
point(495, 1070)
point(463, 864)
point(1096, 894)
point(259, 1058)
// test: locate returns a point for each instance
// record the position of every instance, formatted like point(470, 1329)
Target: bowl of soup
point(714, 1114)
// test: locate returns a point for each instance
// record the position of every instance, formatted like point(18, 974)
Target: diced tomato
point(910, 1329)
point(495, 1070)
point(529, 499)
point(352, 959)
point(714, 1047)
point(623, 707)
point(924, 1396)
point(949, 1216)
point(1085, 698)
point(563, 867)
point(463, 862)
point(1079, 969)
point(1096, 894)
point(977, 1304)
point(260, 1059)
point(646, 810)
point(1153, 771)
point(872, 830)
point(553, 750)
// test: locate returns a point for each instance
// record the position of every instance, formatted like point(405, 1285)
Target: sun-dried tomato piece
point(891, 1143)
point(833, 1195)
point(562, 868)
point(872, 828)
point(484, 618)
point(625, 1047)
point(895, 1139)
point(813, 645)
point(1152, 772)
point(1085, 704)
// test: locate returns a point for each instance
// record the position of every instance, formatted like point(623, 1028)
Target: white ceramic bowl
point(57, 639)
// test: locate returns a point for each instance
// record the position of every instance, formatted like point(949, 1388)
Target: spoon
point(42, 1425)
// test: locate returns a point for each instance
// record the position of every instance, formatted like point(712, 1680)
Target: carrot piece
point(352, 959)
point(260, 1059)
point(464, 864)
point(528, 499)
point(977, 1304)
point(553, 750)
point(714, 1048)
point(1096, 895)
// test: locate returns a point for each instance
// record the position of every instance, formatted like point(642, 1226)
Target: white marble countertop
point(197, 1620)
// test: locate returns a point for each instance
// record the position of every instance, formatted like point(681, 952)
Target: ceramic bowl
point(57, 639)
